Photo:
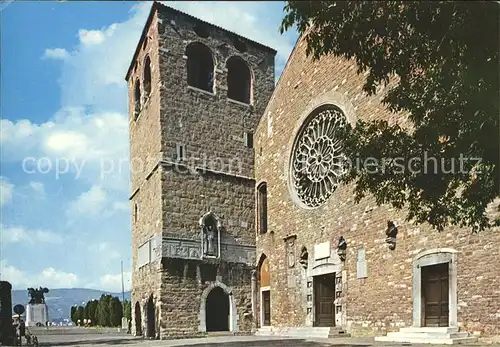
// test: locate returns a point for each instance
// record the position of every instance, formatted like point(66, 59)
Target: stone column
point(254, 294)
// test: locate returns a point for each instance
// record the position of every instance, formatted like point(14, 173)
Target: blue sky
point(65, 221)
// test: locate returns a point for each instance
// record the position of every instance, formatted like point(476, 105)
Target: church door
point(266, 309)
point(435, 283)
point(324, 296)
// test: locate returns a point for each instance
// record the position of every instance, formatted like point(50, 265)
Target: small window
point(147, 77)
point(137, 99)
point(239, 81)
point(249, 139)
point(135, 212)
point(200, 67)
point(145, 43)
point(181, 152)
point(262, 207)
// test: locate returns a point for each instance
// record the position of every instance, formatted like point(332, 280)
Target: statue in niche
point(210, 238)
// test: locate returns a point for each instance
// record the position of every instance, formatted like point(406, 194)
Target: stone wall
point(186, 285)
point(187, 197)
point(147, 223)
point(383, 300)
point(144, 130)
point(210, 125)
point(216, 174)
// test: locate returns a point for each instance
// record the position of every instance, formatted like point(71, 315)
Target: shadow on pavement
point(104, 342)
point(274, 343)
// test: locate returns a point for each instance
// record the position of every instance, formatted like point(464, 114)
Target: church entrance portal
point(324, 297)
point(217, 310)
point(151, 318)
point(435, 293)
point(138, 323)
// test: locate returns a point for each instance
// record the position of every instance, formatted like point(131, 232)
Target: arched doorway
point(265, 291)
point(138, 323)
point(217, 310)
point(150, 311)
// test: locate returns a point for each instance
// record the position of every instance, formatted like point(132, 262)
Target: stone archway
point(150, 316)
point(217, 310)
point(138, 320)
point(427, 260)
point(221, 293)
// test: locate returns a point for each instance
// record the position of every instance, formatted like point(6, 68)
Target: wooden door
point(266, 307)
point(435, 283)
point(324, 296)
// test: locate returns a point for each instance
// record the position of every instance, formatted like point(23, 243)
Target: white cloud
point(90, 203)
point(19, 234)
point(6, 191)
point(48, 277)
point(38, 187)
point(113, 283)
point(90, 147)
point(91, 37)
point(121, 206)
point(55, 53)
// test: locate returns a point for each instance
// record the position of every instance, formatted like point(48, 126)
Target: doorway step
point(308, 332)
point(432, 335)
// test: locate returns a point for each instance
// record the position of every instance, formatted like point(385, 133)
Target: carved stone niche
point(211, 227)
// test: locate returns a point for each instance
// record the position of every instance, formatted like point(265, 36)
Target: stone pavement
point(103, 340)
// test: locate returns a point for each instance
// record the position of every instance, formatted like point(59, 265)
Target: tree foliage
point(106, 312)
point(444, 57)
point(127, 308)
point(73, 316)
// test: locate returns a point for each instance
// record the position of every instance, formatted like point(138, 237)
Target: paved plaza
point(84, 340)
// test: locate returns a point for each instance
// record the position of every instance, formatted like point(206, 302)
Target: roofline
point(144, 30)
point(157, 5)
point(275, 90)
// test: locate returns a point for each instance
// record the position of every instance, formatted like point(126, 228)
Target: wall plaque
point(322, 250)
point(361, 266)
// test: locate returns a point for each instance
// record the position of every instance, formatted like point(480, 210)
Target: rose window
point(317, 157)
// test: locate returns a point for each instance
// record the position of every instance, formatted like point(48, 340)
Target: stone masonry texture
point(217, 174)
point(382, 301)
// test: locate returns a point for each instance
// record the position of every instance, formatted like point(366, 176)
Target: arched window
point(239, 80)
point(262, 207)
point(147, 77)
point(137, 98)
point(200, 67)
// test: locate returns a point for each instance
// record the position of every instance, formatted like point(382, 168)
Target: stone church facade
point(196, 95)
point(238, 222)
point(326, 264)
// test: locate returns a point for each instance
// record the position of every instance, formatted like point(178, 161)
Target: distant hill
point(60, 301)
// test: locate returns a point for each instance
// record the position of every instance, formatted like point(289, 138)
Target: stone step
point(444, 330)
point(426, 340)
point(337, 332)
point(310, 332)
point(428, 334)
